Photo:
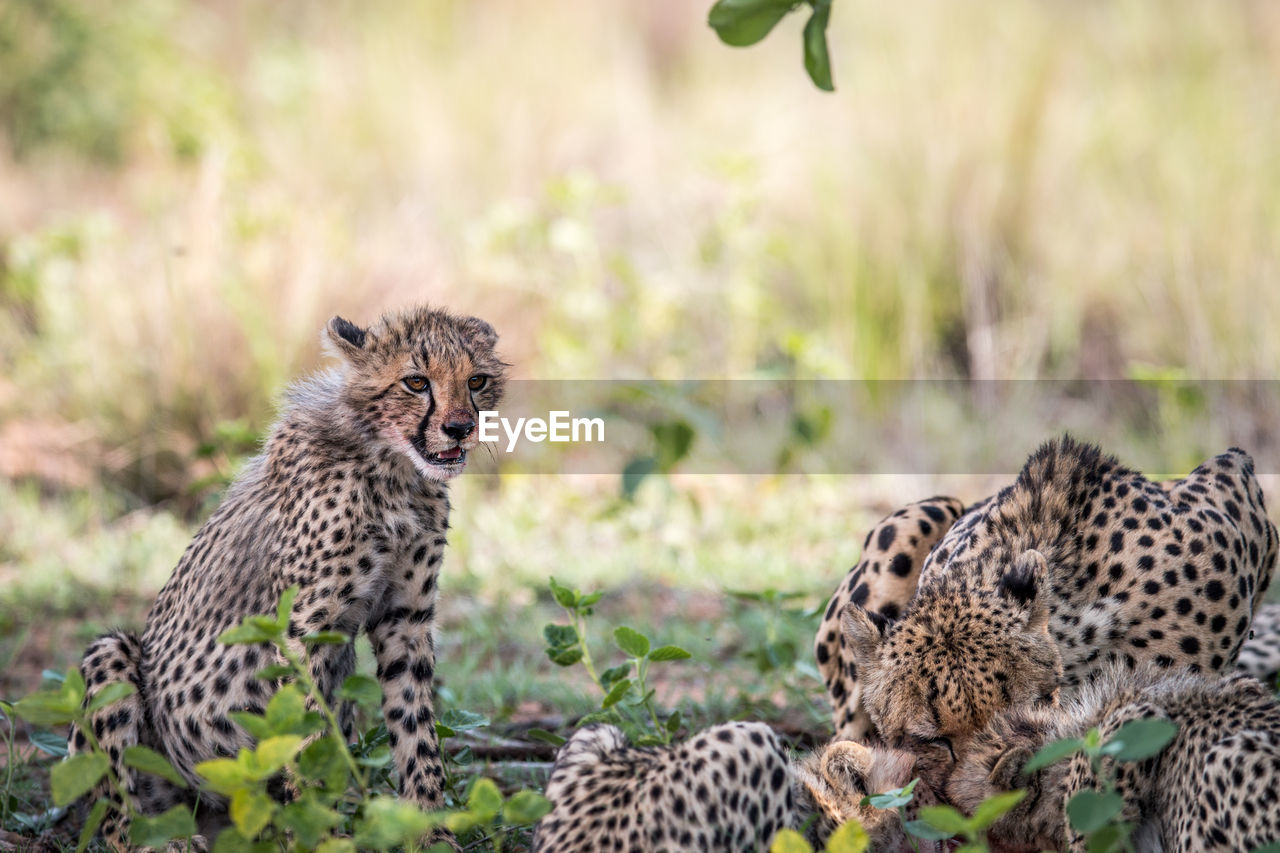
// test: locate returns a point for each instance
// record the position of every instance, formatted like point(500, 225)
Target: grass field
point(997, 190)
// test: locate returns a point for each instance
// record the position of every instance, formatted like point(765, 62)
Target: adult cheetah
point(1216, 787)
point(1079, 563)
point(348, 501)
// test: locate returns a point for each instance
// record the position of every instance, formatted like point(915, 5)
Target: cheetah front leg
point(405, 651)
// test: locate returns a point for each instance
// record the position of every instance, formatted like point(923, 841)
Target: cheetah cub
point(347, 500)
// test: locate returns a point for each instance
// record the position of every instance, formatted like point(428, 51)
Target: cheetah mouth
point(453, 457)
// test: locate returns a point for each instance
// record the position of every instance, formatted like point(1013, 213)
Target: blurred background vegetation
point(999, 189)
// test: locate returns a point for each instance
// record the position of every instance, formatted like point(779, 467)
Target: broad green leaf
point(673, 722)
point(485, 800)
point(149, 761)
point(994, 807)
point(615, 694)
point(156, 831)
point(741, 23)
point(1089, 811)
point(285, 709)
point(246, 633)
point(817, 60)
point(74, 777)
point(631, 641)
point(110, 694)
point(46, 708)
point(669, 653)
point(388, 822)
point(337, 845)
point(946, 819)
point(50, 742)
point(525, 807)
point(1140, 739)
point(565, 596)
point(614, 674)
point(560, 636)
point(379, 756)
point(789, 841)
point(224, 775)
point(920, 829)
point(285, 608)
point(274, 753)
point(91, 824)
point(231, 841)
point(255, 724)
point(565, 657)
point(463, 721)
point(274, 671)
point(326, 638)
point(1111, 839)
point(1052, 753)
point(322, 761)
point(362, 690)
point(546, 737)
point(894, 799)
point(633, 475)
point(73, 689)
point(309, 820)
point(849, 838)
point(587, 600)
point(251, 811)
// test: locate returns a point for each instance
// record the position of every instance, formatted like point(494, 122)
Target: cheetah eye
point(416, 384)
point(475, 383)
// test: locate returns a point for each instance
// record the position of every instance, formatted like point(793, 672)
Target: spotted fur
point(1260, 655)
point(348, 501)
point(1081, 562)
point(728, 789)
point(1216, 787)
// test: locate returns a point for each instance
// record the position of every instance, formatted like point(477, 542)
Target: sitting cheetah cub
point(1216, 786)
point(348, 501)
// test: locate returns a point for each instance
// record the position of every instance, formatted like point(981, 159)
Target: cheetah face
point(419, 381)
point(958, 656)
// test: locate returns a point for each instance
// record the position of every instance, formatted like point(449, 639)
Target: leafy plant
point(849, 838)
point(742, 23)
point(1096, 814)
point(629, 701)
point(940, 823)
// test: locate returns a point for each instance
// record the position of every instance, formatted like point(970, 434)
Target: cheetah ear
point(479, 332)
point(1025, 584)
point(864, 631)
point(1007, 773)
point(346, 339)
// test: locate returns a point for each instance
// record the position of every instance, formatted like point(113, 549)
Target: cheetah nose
point(458, 430)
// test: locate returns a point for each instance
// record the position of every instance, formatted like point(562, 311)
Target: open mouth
point(447, 458)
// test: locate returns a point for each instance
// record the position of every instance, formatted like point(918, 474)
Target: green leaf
point(485, 800)
point(91, 824)
point(285, 710)
point(945, 819)
point(379, 756)
point(1089, 811)
point(565, 596)
point(994, 807)
point(673, 722)
point(560, 636)
point(231, 841)
point(149, 761)
point(362, 690)
point(322, 761)
point(525, 807)
point(566, 657)
point(463, 721)
point(310, 820)
point(326, 638)
point(789, 841)
point(273, 754)
point(1111, 839)
point(897, 798)
point(285, 608)
point(337, 845)
point(615, 694)
point(849, 838)
point(673, 439)
point(1140, 739)
point(546, 737)
point(388, 822)
point(817, 61)
point(633, 475)
point(669, 653)
point(251, 811)
point(741, 23)
point(110, 694)
point(255, 724)
point(274, 671)
point(614, 674)
point(224, 775)
point(73, 689)
point(586, 601)
point(52, 743)
point(631, 641)
point(246, 633)
point(156, 831)
point(1052, 753)
point(920, 829)
point(47, 708)
point(74, 777)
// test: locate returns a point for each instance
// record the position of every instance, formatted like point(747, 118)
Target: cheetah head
point(419, 380)
point(957, 656)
